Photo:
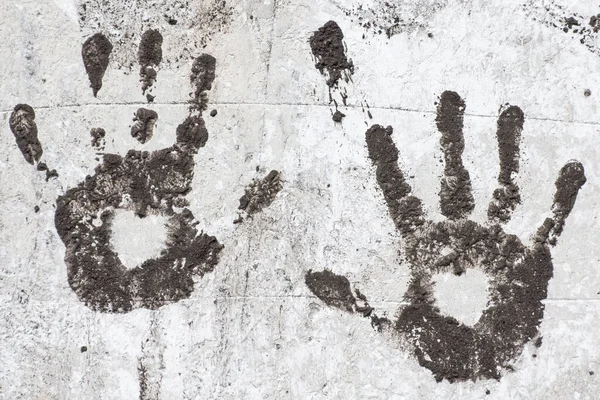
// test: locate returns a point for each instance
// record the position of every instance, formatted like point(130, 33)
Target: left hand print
point(147, 184)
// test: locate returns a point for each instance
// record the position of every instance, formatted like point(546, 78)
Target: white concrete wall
point(252, 328)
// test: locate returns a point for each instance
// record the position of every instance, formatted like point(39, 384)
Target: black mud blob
point(334, 290)
point(213, 113)
point(149, 57)
point(202, 77)
point(260, 193)
point(96, 53)
point(98, 135)
point(518, 275)
point(328, 48)
point(338, 116)
point(143, 127)
point(23, 126)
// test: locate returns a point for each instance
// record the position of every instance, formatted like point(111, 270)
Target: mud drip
point(518, 275)
point(327, 46)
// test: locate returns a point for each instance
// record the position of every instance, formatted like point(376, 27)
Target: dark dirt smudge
point(333, 290)
point(98, 135)
point(143, 128)
point(260, 193)
point(96, 53)
point(338, 116)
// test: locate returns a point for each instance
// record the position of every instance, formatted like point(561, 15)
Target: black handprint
point(518, 274)
point(144, 183)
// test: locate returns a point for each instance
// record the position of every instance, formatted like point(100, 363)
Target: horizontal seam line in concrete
point(404, 109)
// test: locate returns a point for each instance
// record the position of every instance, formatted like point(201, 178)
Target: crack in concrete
point(320, 105)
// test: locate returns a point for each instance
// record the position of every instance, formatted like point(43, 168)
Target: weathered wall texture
point(293, 199)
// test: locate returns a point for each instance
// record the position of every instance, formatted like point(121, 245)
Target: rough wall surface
point(299, 199)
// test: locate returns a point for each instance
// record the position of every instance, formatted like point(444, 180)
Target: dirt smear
point(145, 183)
point(23, 126)
point(98, 135)
point(143, 126)
point(149, 57)
point(333, 290)
point(260, 193)
point(96, 53)
point(507, 197)
point(328, 48)
point(456, 199)
point(518, 275)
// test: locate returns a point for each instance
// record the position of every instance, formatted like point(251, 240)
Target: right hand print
point(518, 275)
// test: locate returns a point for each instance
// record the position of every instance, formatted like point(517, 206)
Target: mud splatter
point(456, 199)
point(23, 126)
point(143, 127)
point(518, 275)
point(187, 26)
point(96, 53)
point(328, 48)
point(98, 135)
point(260, 193)
point(144, 183)
point(149, 57)
point(584, 29)
point(389, 18)
point(507, 197)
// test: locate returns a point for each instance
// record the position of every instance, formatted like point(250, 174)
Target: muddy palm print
point(518, 274)
point(145, 183)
